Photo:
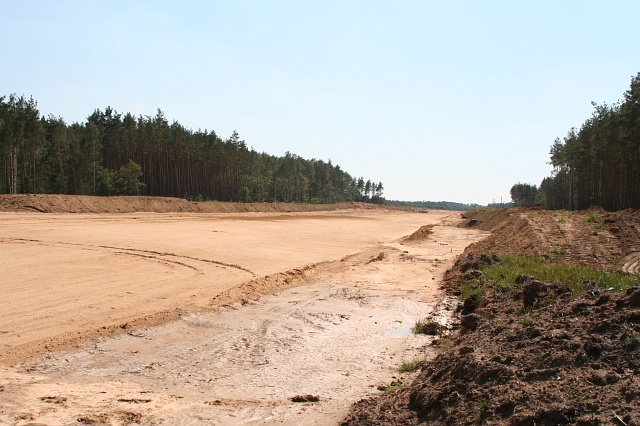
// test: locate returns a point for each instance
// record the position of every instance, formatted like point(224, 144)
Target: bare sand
point(212, 318)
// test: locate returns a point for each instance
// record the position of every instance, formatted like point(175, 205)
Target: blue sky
point(439, 100)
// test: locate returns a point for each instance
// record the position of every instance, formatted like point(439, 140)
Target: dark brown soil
point(539, 355)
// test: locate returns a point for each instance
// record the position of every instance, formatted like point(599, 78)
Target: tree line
point(597, 164)
point(524, 194)
point(435, 205)
point(113, 153)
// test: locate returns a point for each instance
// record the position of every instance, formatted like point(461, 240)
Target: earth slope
point(572, 360)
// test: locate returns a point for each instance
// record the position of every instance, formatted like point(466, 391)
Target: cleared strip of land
point(184, 334)
point(68, 277)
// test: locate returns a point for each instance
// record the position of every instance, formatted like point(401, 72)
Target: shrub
point(409, 366)
point(427, 326)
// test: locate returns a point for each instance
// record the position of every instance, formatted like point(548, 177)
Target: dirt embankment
point(54, 203)
point(514, 361)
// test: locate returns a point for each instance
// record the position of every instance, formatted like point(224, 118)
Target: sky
point(440, 101)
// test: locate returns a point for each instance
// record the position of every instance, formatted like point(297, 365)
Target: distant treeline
point(598, 164)
point(435, 205)
point(113, 153)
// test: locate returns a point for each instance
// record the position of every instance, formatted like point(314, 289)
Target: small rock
point(305, 398)
point(465, 350)
point(470, 322)
point(469, 305)
point(532, 292)
point(558, 334)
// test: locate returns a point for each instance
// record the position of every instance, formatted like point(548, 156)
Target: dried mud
point(570, 360)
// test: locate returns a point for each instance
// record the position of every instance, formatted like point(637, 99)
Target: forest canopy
point(597, 164)
point(120, 154)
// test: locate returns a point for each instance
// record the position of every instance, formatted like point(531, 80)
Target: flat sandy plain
point(167, 318)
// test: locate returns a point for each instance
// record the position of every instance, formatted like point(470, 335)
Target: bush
point(126, 181)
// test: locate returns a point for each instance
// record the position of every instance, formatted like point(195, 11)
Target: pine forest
point(595, 165)
point(120, 154)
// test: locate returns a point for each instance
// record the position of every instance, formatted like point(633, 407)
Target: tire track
point(144, 254)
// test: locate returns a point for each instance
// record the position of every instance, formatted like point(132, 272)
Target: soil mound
point(421, 234)
point(55, 203)
point(591, 237)
point(578, 362)
point(538, 354)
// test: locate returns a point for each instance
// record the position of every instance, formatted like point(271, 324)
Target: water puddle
point(400, 331)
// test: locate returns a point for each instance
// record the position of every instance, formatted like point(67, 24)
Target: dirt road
point(103, 287)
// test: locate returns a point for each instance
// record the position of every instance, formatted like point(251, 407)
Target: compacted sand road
point(101, 289)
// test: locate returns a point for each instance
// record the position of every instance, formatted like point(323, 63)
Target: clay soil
point(539, 354)
point(159, 311)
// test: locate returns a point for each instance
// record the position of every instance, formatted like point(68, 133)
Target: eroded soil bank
point(285, 307)
point(533, 353)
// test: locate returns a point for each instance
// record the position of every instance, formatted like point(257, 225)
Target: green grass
point(427, 326)
point(449, 409)
point(594, 218)
point(482, 407)
point(502, 275)
point(409, 366)
point(527, 320)
point(393, 387)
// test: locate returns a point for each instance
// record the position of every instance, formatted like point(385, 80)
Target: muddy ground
point(570, 360)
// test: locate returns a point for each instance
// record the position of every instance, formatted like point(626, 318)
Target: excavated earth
point(572, 360)
point(57, 203)
point(142, 310)
point(301, 356)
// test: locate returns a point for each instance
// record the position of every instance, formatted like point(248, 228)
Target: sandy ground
point(101, 289)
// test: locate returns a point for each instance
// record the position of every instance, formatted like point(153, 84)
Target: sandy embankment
point(69, 277)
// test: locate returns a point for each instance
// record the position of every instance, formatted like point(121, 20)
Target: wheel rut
point(162, 257)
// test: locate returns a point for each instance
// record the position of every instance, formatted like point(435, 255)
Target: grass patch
point(502, 275)
point(427, 326)
point(594, 218)
point(448, 409)
point(409, 366)
point(527, 320)
point(392, 387)
point(482, 407)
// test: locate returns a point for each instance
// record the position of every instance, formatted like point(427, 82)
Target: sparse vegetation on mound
point(410, 365)
point(549, 328)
